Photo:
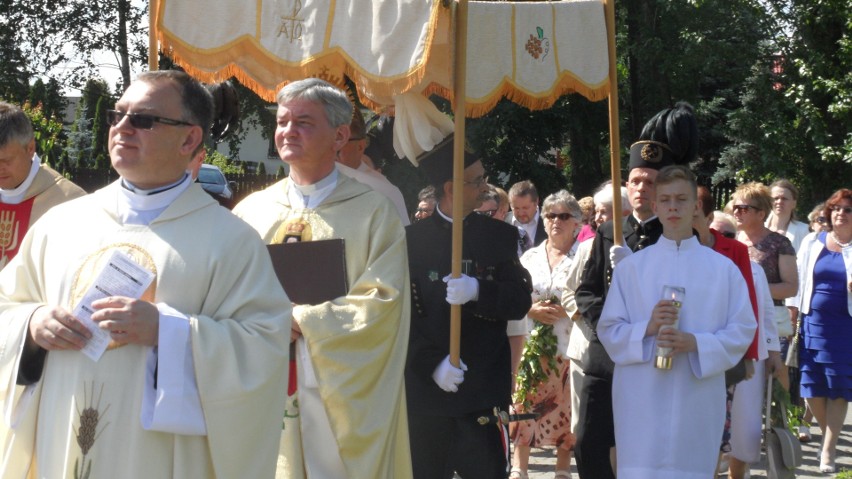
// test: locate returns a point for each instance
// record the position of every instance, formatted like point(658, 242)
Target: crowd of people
point(643, 354)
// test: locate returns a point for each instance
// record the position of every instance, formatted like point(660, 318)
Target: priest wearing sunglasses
point(191, 373)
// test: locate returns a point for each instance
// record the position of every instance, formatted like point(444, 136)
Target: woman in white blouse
point(550, 397)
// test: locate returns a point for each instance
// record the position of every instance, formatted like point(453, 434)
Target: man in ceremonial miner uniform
point(351, 420)
point(190, 383)
point(444, 402)
point(670, 136)
point(27, 187)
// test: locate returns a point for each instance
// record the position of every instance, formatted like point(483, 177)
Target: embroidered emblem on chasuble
point(95, 262)
point(14, 223)
point(302, 224)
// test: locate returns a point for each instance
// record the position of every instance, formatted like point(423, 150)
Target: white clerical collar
point(16, 195)
point(138, 206)
point(310, 196)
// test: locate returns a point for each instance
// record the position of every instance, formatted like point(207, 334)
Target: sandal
point(804, 434)
point(518, 474)
point(562, 475)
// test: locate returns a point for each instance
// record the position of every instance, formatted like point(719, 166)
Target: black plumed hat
point(669, 138)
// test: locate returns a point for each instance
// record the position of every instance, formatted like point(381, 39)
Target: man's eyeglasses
point(356, 138)
point(743, 208)
point(141, 121)
point(561, 216)
point(489, 213)
point(478, 181)
point(844, 209)
point(729, 234)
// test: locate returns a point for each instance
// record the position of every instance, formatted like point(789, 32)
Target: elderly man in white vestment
point(190, 385)
point(668, 422)
point(28, 187)
point(351, 420)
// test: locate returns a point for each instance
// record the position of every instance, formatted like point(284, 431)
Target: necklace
point(837, 240)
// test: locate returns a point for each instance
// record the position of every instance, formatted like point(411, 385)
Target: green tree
point(78, 150)
point(50, 33)
point(797, 103)
point(49, 96)
point(15, 74)
point(46, 132)
point(100, 128)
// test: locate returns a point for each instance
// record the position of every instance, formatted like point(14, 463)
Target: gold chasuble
point(81, 418)
point(357, 343)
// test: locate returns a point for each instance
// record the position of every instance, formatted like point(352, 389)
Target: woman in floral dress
point(543, 384)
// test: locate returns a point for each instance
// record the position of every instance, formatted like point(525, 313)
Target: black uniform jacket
point(597, 275)
point(489, 253)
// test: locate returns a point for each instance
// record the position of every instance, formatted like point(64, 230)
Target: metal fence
point(243, 184)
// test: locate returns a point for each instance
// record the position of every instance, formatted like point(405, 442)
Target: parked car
point(214, 182)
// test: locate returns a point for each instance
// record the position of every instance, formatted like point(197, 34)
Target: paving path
point(542, 461)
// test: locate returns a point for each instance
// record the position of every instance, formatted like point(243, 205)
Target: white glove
point(447, 376)
point(462, 289)
point(618, 253)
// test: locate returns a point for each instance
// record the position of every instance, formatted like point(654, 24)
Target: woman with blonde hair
point(752, 203)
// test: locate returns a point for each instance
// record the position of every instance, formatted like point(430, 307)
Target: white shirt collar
point(16, 195)
point(643, 222)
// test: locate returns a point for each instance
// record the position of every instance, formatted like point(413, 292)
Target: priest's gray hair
point(338, 108)
point(562, 197)
point(15, 125)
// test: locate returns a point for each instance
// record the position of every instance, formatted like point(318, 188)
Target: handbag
point(783, 450)
point(792, 359)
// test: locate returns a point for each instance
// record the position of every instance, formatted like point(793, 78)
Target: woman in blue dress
point(825, 358)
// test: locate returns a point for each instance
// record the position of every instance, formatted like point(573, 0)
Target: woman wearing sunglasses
point(818, 221)
point(772, 251)
point(825, 359)
point(550, 396)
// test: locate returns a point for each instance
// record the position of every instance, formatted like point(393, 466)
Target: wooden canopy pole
point(153, 58)
point(459, 92)
point(614, 142)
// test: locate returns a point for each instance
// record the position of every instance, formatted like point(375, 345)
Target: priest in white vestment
point(28, 188)
point(191, 383)
point(350, 421)
point(668, 422)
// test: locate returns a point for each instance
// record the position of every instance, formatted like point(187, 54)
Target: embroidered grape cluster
point(534, 47)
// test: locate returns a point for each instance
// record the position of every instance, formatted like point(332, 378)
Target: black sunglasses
point(821, 220)
point(743, 208)
point(729, 234)
point(490, 213)
point(141, 120)
point(561, 216)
